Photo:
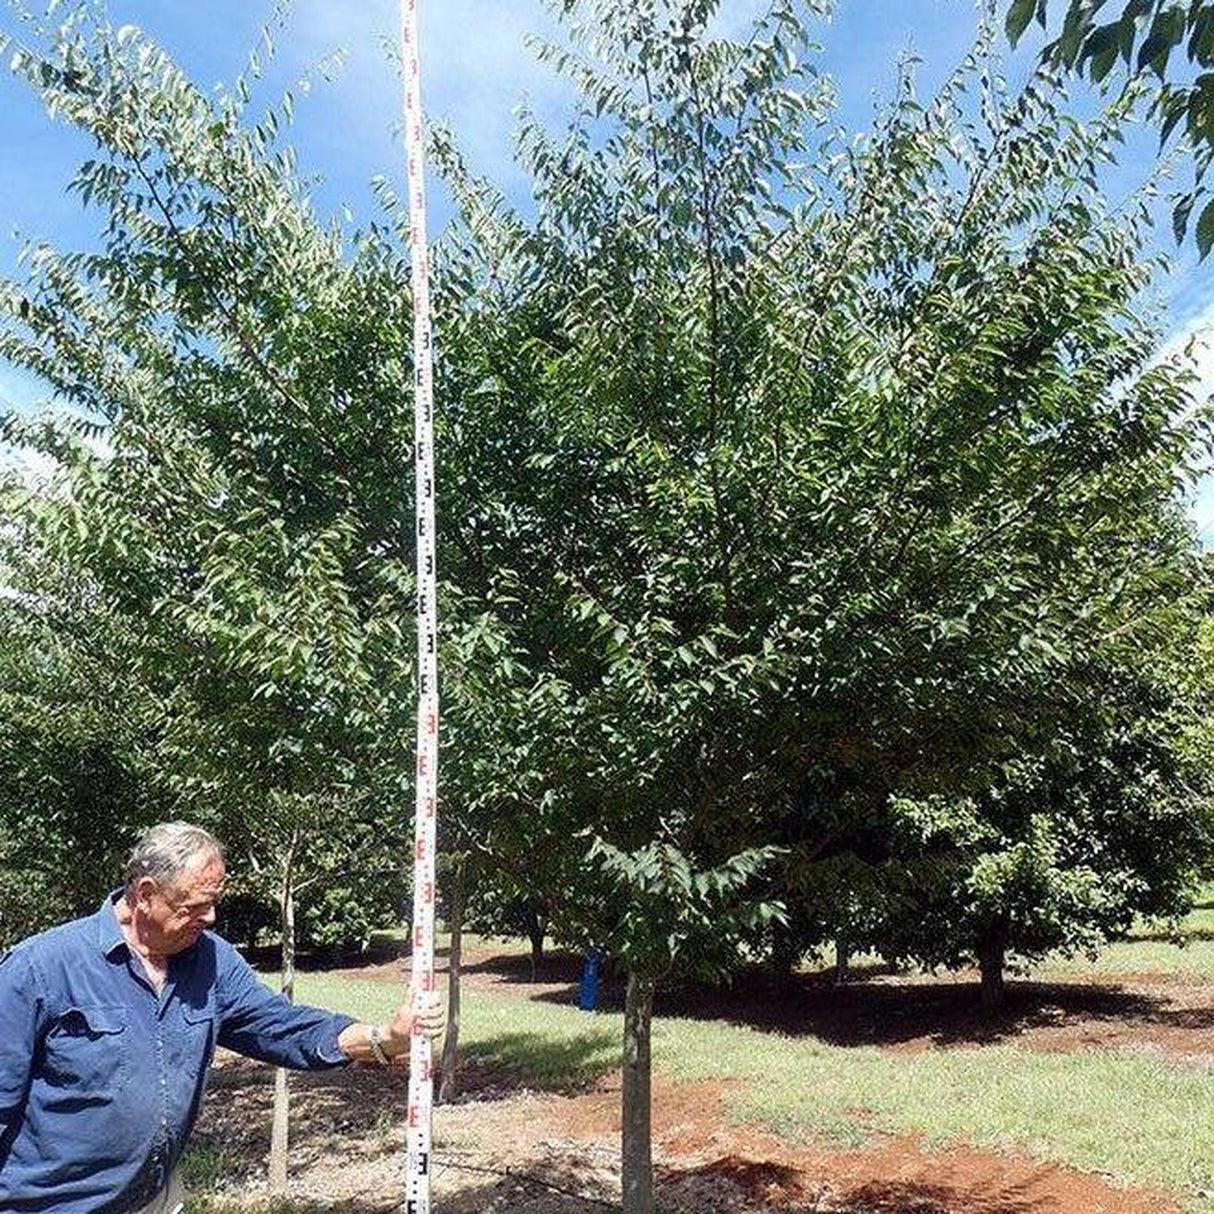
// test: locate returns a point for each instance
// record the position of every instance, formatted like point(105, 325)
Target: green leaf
point(1167, 31)
point(1100, 51)
point(1201, 39)
point(1180, 216)
point(1205, 230)
point(1173, 107)
point(1072, 37)
point(1018, 18)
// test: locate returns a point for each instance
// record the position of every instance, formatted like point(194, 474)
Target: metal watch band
point(376, 1036)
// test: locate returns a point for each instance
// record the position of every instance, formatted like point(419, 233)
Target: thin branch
point(725, 552)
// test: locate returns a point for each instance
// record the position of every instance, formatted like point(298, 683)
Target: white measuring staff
point(421, 1071)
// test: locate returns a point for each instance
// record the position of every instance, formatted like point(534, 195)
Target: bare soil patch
point(543, 1153)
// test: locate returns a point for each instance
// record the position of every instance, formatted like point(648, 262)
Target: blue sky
point(476, 70)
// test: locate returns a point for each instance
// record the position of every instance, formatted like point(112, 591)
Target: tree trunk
point(842, 957)
point(446, 1087)
point(637, 1147)
point(535, 933)
point(992, 946)
point(280, 1125)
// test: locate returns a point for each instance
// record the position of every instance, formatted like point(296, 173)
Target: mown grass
point(1140, 1120)
point(1193, 961)
point(1187, 953)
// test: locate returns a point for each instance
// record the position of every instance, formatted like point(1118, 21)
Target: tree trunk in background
point(446, 1087)
point(280, 1125)
point(535, 933)
point(637, 1147)
point(842, 957)
point(992, 947)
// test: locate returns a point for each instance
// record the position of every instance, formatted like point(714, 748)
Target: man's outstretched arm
point(261, 1024)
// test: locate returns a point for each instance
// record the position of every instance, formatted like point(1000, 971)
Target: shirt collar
point(109, 930)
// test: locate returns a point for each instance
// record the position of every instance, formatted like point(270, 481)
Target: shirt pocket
point(88, 1051)
point(199, 1033)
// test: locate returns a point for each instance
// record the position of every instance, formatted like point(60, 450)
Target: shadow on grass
point(891, 1014)
point(515, 968)
point(535, 1061)
point(747, 1184)
point(1189, 936)
point(267, 958)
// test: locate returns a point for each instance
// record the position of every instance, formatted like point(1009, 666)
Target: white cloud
point(33, 467)
point(1201, 511)
point(24, 393)
point(1195, 340)
point(736, 18)
point(1200, 332)
point(20, 392)
point(476, 68)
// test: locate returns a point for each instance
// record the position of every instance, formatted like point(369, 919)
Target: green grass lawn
point(1141, 1120)
point(1151, 949)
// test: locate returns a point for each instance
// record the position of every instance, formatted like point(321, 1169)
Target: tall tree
point(818, 482)
point(247, 520)
point(75, 789)
point(774, 496)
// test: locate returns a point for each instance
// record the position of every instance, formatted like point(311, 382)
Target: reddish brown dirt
point(503, 1147)
point(535, 1153)
point(898, 1176)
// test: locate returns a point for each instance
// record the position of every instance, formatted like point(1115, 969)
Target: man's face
point(176, 913)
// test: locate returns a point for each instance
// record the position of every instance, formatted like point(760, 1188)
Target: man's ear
point(145, 887)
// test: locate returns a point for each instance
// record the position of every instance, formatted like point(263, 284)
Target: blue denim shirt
point(101, 1078)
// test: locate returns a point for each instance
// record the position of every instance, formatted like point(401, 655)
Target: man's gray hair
point(167, 850)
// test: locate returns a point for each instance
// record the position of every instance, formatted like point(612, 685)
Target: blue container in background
point(588, 994)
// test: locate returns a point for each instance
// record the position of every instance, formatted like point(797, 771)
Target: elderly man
point(108, 1025)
